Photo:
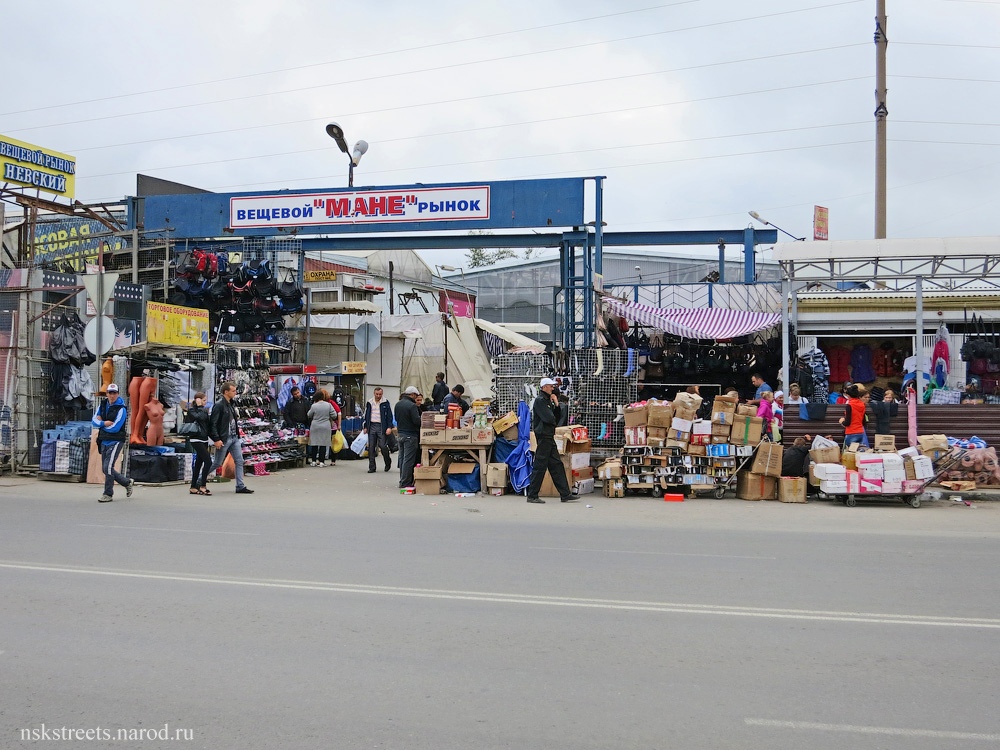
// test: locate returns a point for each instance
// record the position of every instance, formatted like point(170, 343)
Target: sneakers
point(244, 491)
point(129, 489)
point(105, 499)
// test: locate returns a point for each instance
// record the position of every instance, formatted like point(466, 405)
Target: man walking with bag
point(224, 430)
point(378, 428)
point(110, 420)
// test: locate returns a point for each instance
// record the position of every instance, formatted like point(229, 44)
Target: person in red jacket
point(854, 417)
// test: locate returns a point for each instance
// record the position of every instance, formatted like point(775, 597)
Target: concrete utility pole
point(881, 114)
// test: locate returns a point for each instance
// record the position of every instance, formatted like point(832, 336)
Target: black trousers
point(377, 443)
point(202, 464)
point(547, 457)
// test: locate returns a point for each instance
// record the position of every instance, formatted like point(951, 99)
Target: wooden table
point(432, 454)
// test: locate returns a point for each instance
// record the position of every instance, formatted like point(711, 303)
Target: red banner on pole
point(821, 223)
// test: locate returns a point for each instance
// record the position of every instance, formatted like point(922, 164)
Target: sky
point(696, 111)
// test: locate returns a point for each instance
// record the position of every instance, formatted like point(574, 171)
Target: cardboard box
point(833, 486)
point(792, 489)
point(573, 474)
point(746, 410)
point(750, 486)
point(660, 414)
point(682, 444)
point(656, 432)
point(496, 475)
point(496, 491)
point(678, 435)
point(635, 416)
point(428, 472)
point(892, 488)
point(935, 454)
point(849, 459)
point(511, 434)
point(853, 482)
point(575, 460)
point(635, 435)
point(908, 452)
point(482, 435)
point(747, 431)
point(655, 442)
point(578, 446)
point(582, 487)
point(687, 401)
point(919, 468)
point(458, 436)
point(830, 471)
point(768, 460)
point(725, 403)
point(680, 425)
point(461, 467)
point(912, 486)
point(610, 469)
point(871, 486)
point(723, 417)
point(813, 479)
point(884, 442)
point(870, 465)
point(432, 437)
point(932, 442)
point(701, 427)
point(427, 487)
point(829, 455)
point(697, 450)
point(893, 476)
point(505, 422)
point(578, 475)
point(614, 488)
point(684, 412)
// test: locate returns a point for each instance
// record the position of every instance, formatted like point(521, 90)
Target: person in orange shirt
point(854, 417)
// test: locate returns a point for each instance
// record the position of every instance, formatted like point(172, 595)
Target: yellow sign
point(319, 276)
point(176, 326)
point(31, 166)
point(353, 368)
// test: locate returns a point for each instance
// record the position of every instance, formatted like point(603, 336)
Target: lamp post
point(440, 268)
point(354, 155)
point(766, 223)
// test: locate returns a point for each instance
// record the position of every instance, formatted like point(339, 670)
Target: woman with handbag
point(195, 429)
point(322, 417)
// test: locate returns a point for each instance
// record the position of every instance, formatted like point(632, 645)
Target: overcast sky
point(696, 111)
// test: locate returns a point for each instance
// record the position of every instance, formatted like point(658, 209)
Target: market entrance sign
point(361, 207)
point(35, 167)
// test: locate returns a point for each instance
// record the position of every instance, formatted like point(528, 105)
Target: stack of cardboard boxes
point(573, 444)
point(864, 472)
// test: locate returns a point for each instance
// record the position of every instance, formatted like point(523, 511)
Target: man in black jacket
point(408, 431)
point(439, 391)
point(224, 431)
point(296, 411)
point(544, 418)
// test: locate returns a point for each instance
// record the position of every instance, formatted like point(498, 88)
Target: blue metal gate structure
point(359, 219)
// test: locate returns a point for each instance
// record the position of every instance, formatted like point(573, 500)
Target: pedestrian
point(198, 416)
point(440, 391)
point(455, 397)
point(334, 424)
point(544, 417)
point(778, 409)
point(407, 415)
point(883, 411)
point(296, 411)
point(795, 395)
point(758, 381)
point(110, 419)
point(322, 417)
point(378, 428)
point(854, 417)
point(766, 413)
point(224, 432)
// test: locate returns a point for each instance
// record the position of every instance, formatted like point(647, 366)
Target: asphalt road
point(328, 611)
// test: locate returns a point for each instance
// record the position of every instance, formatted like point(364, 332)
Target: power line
point(384, 76)
point(494, 127)
point(357, 58)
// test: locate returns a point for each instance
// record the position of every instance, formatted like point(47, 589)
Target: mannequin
point(107, 374)
point(154, 431)
point(140, 391)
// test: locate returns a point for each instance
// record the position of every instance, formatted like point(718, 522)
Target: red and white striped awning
point(697, 323)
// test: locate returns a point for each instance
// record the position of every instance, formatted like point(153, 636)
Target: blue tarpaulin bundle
point(519, 462)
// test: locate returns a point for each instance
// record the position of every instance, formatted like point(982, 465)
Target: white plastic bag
point(821, 442)
point(360, 443)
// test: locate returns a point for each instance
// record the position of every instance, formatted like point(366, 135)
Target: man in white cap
point(544, 418)
point(110, 419)
point(407, 415)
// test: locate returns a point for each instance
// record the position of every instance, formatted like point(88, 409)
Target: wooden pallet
point(52, 476)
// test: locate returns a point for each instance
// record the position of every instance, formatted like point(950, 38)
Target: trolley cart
point(722, 485)
point(909, 498)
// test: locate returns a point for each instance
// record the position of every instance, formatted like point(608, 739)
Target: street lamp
point(766, 223)
point(337, 133)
